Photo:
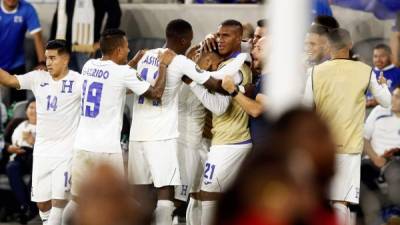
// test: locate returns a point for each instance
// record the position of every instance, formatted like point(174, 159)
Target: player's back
point(103, 95)
point(152, 120)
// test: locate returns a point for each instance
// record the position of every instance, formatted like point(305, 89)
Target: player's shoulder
point(26, 6)
point(381, 112)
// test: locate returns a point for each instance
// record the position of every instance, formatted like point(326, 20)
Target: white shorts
point(345, 185)
point(192, 157)
point(154, 162)
point(83, 163)
point(223, 164)
point(50, 178)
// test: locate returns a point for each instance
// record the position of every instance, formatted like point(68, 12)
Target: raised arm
point(380, 91)
point(8, 80)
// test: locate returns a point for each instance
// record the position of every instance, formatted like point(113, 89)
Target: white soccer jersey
point(57, 109)
point(103, 94)
point(159, 121)
point(382, 128)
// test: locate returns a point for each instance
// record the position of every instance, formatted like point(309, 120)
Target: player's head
point(381, 56)
point(31, 110)
point(179, 35)
point(260, 31)
point(339, 39)
point(258, 54)
point(114, 46)
point(327, 21)
point(209, 60)
point(396, 99)
point(229, 37)
point(57, 57)
point(12, 4)
point(316, 43)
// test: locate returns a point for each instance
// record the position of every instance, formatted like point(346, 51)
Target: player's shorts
point(154, 162)
point(345, 185)
point(222, 165)
point(83, 163)
point(192, 156)
point(50, 178)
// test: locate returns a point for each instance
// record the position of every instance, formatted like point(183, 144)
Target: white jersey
point(57, 110)
point(103, 96)
point(382, 128)
point(151, 120)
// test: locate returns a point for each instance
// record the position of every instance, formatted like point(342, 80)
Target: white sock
point(193, 212)
point(44, 216)
point(342, 213)
point(163, 212)
point(55, 216)
point(69, 211)
point(208, 209)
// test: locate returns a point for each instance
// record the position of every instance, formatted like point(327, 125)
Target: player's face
point(11, 3)
point(259, 33)
point(396, 100)
point(228, 40)
point(123, 52)
point(316, 47)
point(381, 58)
point(208, 61)
point(31, 112)
point(258, 54)
point(55, 63)
point(186, 42)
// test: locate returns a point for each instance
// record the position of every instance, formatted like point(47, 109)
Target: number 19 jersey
point(103, 95)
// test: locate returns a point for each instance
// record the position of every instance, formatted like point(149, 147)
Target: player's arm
point(378, 160)
point(8, 80)
point(135, 60)
point(39, 47)
point(380, 90)
point(156, 91)
point(216, 103)
point(252, 107)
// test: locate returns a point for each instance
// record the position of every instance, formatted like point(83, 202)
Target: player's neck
point(60, 76)
point(9, 8)
point(172, 47)
point(340, 54)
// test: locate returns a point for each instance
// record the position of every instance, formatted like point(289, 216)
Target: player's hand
point(166, 56)
point(210, 43)
point(192, 52)
point(139, 54)
point(15, 149)
point(28, 137)
point(381, 79)
point(186, 79)
point(228, 84)
point(379, 161)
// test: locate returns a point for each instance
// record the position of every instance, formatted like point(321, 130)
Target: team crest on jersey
point(18, 19)
point(199, 70)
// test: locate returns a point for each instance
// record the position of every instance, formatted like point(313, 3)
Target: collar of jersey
point(233, 55)
point(6, 11)
point(391, 66)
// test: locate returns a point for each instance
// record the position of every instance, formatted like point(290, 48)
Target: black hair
point(262, 23)
point(233, 23)
point(385, 47)
point(60, 45)
point(327, 21)
point(339, 38)
point(30, 100)
point(178, 28)
point(110, 40)
point(318, 29)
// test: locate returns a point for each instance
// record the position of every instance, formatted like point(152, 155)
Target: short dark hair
point(30, 100)
point(110, 40)
point(318, 29)
point(385, 47)
point(60, 45)
point(327, 21)
point(262, 23)
point(233, 23)
point(339, 38)
point(178, 28)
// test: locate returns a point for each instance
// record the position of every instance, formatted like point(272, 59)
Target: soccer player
point(337, 90)
point(57, 95)
point(231, 140)
point(154, 130)
point(104, 84)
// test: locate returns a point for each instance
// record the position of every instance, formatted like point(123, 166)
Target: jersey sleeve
point(189, 68)
point(32, 20)
point(370, 123)
point(28, 80)
point(134, 82)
